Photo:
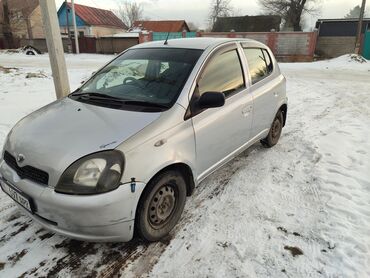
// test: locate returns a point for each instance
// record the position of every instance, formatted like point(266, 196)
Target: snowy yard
point(300, 209)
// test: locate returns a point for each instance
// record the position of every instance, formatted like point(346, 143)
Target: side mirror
point(211, 100)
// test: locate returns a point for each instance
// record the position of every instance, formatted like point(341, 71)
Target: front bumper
point(102, 217)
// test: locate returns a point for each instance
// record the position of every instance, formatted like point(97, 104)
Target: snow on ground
point(300, 209)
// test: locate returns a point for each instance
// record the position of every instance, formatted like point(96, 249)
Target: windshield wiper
point(146, 103)
point(110, 99)
point(95, 96)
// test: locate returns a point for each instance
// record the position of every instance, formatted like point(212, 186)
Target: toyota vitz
point(120, 154)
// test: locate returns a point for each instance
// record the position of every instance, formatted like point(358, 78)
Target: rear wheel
point(161, 205)
point(275, 131)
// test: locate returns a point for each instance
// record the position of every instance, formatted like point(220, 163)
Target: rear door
point(221, 131)
point(265, 87)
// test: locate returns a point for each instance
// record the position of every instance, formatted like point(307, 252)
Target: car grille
point(26, 172)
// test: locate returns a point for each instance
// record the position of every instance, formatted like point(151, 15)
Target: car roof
point(194, 43)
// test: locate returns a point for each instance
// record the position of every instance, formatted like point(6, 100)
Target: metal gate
point(366, 49)
point(86, 44)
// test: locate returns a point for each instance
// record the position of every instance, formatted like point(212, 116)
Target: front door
point(221, 131)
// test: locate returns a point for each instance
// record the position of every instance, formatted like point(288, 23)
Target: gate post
point(272, 41)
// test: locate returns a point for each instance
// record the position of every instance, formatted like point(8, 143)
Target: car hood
point(55, 136)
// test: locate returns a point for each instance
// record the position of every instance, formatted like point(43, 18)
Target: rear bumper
point(102, 217)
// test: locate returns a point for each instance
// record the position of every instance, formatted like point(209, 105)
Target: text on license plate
point(16, 196)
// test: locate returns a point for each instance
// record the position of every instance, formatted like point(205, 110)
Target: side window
point(256, 63)
point(269, 64)
point(223, 74)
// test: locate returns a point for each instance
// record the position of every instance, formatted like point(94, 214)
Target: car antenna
point(165, 42)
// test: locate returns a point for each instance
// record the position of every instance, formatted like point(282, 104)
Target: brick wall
point(286, 46)
point(36, 24)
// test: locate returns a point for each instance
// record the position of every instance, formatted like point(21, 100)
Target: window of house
point(223, 74)
point(257, 64)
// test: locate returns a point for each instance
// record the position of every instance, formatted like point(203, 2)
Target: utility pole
point(75, 27)
point(359, 28)
point(69, 44)
point(55, 48)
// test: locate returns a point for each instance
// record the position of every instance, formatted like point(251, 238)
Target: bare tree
point(219, 8)
point(129, 12)
point(355, 12)
point(192, 26)
point(291, 11)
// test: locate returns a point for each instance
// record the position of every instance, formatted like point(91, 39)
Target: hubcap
point(162, 205)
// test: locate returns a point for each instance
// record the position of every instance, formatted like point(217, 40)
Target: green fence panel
point(160, 36)
point(366, 50)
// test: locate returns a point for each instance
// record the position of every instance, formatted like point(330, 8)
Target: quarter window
point(268, 61)
point(223, 74)
point(258, 64)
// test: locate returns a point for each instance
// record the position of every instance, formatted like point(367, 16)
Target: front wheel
point(275, 131)
point(161, 205)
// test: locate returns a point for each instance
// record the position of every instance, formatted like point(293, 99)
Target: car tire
point(275, 131)
point(160, 206)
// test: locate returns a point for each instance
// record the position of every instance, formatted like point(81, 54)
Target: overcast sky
point(196, 11)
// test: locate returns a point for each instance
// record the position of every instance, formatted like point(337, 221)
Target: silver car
point(120, 154)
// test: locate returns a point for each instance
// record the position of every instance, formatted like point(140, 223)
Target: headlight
point(96, 173)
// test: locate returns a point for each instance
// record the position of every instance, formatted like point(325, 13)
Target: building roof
point(340, 27)
point(260, 23)
point(162, 25)
point(341, 20)
point(94, 16)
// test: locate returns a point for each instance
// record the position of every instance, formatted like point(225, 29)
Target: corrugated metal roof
point(162, 25)
point(340, 19)
point(95, 16)
point(259, 23)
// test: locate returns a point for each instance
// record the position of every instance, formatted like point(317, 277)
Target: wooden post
point(359, 28)
point(55, 48)
point(75, 27)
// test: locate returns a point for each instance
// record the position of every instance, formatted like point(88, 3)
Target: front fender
point(176, 145)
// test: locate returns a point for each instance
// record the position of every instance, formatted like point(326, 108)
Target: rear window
point(259, 63)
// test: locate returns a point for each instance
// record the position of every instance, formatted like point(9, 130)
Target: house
point(260, 23)
point(90, 21)
point(21, 18)
point(161, 25)
point(337, 37)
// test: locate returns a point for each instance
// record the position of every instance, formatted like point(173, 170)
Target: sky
point(196, 11)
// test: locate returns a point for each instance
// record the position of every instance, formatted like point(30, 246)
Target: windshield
point(141, 78)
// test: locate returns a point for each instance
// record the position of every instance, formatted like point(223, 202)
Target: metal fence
point(287, 46)
point(160, 36)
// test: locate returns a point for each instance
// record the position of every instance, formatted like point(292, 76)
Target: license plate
point(17, 196)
